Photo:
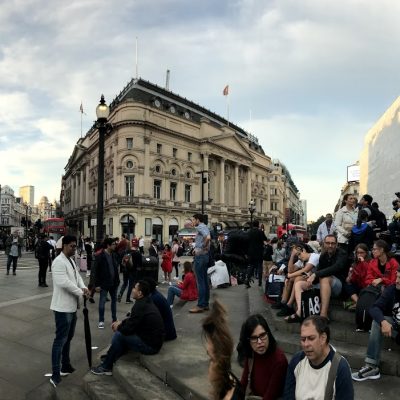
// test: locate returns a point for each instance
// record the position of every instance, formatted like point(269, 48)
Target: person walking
point(201, 261)
point(107, 279)
point(13, 251)
point(42, 251)
point(68, 287)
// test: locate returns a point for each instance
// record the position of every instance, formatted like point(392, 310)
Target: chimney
point(167, 80)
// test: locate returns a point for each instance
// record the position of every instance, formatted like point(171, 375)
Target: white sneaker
point(101, 325)
point(87, 274)
point(164, 282)
point(170, 283)
point(176, 278)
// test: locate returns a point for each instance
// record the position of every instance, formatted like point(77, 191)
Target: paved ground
point(27, 332)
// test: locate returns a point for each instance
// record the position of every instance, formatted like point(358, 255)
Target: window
point(158, 169)
point(188, 175)
point(157, 189)
point(274, 205)
point(111, 188)
point(110, 226)
point(174, 152)
point(105, 191)
point(129, 185)
point(173, 172)
point(94, 195)
point(172, 191)
point(189, 156)
point(129, 164)
point(159, 147)
point(129, 143)
point(261, 205)
point(188, 193)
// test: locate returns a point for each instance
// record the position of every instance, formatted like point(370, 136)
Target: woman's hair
point(244, 348)
point(345, 197)
point(216, 331)
point(187, 267)
point(313, 237)
point(364, 247)
point(383, 245)
point(167, 247)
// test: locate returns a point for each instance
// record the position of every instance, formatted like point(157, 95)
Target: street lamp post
point(102, 112)
point(252, 209)
point(203, 181)
point(26, 226)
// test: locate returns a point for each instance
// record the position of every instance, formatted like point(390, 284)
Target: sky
point(309, 78)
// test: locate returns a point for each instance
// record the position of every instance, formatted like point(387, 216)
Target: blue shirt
point(202, 233)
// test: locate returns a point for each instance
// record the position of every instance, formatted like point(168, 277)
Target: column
point(205, 168)
point(147, 184)
point(81, 187)
point(72, 193)
point(87, 191)
point(248, 185)
point(236, 185)
point(222, 182)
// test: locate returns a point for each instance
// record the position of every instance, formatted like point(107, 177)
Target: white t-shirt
point(313, 260)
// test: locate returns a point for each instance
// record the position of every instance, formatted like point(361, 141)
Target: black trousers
point(43, 264)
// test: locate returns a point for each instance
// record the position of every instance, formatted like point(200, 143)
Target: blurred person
point(13, 250)
point(361, 232)
point(314, 244)
point(381, 222)
point(175, 257)
point(42, 251)
point(265, 363)
point(327, 227)
point(166, 264)
point(219, 344)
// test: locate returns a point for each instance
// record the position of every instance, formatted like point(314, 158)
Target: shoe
point(101, 325)
point(103, 357)
point(55, 381)
point(45, 285)
point(285, 311)
point(366, 372)
point(196, 310)
point(163, 282)
point(278, 305)
point(171, 306)
point(91, 300)
point(67, 370)
point(128, 302)
point(170, 283)
point(119, 298)
point(101, 371)
point(176, 278)
point(292, 319)
point(207, 308)
point(14, 273)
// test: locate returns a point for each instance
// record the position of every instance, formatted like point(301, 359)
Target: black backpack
point(179, 253)
point(41, 250)
point(365, 301)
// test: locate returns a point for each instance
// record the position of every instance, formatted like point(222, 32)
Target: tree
point(313, 226)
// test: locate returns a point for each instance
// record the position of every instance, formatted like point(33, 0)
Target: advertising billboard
point(353, 173)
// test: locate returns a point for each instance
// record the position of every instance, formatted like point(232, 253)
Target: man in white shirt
point(68, 287)
point(327, 227)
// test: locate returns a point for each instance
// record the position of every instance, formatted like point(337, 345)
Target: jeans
point(13, 260)
point(172, 292)
point(375, 342)
point(120, 344)
point(128, 281)
point(102, 302)
point(200, 268)
point(65, 329)
point(43, 263)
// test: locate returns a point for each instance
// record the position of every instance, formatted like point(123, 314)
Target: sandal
point(293, 319)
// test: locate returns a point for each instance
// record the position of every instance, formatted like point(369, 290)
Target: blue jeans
point(200, 268)
point(120, 344)
point(65, 329)
point(128, 281)
point(102, 302)
point(172, 292)
point(375, 342)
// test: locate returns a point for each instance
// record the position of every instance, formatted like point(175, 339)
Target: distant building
point(380, 159)
point(28, 194)
point(12, 209)
point(158, 144)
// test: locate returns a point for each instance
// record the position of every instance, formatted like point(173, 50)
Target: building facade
point(158, 144)
point(27, 193)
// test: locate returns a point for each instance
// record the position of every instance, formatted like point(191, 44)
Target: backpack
point(179, 253)
point(41, 250)
point(365, 301)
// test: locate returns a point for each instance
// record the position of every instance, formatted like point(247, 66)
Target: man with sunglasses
point(68, 287)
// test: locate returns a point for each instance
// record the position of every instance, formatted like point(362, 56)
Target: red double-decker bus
point(54, 227)
point(286, 228)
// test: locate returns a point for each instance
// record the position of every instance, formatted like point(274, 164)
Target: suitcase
point(82, 263)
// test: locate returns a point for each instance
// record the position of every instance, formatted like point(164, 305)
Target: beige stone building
point(157, 144)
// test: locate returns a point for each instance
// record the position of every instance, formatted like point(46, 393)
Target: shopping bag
point(310, 303)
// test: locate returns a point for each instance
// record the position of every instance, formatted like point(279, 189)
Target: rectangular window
point(159, 148)
point(110, 226)
point(189, 156)
point(174, 152)
point(147, 226)
point(129, 143)
point(157, 189)
point(188, 193)
point(172, 191)
point(105, 191)
point(129, 185)
point(94, 195)
point(112, 189)
point(261, 205)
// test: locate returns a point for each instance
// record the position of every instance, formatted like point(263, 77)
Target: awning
point(187, 232)
point(232, 224)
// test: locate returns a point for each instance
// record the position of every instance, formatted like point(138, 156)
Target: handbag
point(310, 303)
point(274, 286)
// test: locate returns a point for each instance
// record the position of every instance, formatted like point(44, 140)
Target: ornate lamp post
point(252, 210)
point(102, 112)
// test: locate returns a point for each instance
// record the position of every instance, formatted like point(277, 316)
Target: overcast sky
point(307, 77)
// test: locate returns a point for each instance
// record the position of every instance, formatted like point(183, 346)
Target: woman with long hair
point(186, 290)
point(219, 344)
point(345, 219)
point(356, 278)
point(265, 363)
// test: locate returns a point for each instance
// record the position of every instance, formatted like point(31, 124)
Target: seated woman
point(356, 279)
point(219, 344)
point(186, 290)
point(382, 269)
point(297, 271)
point(265, 364)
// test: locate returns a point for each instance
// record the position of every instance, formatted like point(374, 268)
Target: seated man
point(308, 375)
point(386, 315)
point(331, 272)
point(143, 331)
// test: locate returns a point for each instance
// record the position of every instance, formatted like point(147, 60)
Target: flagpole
point(81, 120)
point(136, 57)
point(227, 107)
